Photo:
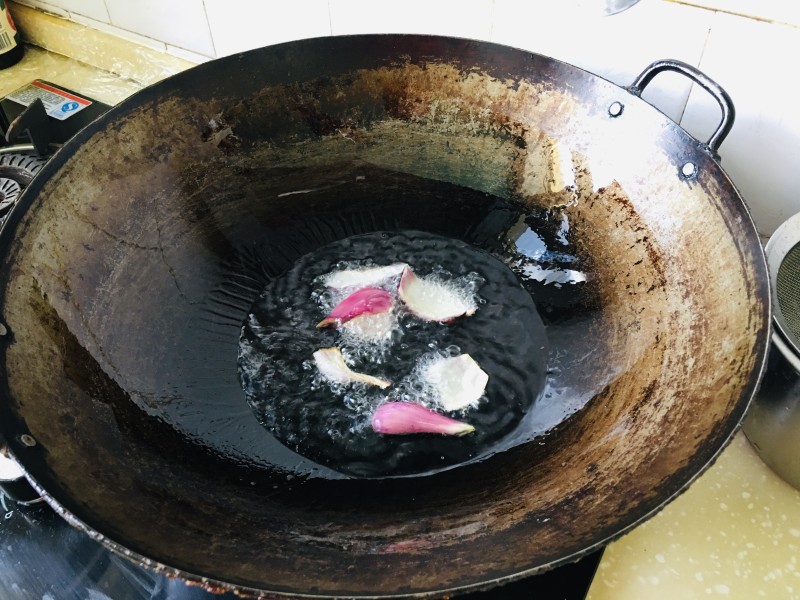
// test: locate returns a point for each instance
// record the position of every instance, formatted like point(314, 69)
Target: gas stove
point(18, 165)
point(35, 120)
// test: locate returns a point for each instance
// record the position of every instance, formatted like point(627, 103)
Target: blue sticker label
point(69, 106)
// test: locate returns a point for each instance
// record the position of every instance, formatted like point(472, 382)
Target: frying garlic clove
point(458, 381)
point(361, 278)
point(330, 363)
point(373, 328)
point(432, 300)
point(397, 418)
point(363, 302)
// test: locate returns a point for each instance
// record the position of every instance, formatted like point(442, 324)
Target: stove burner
point(18, 165)
point(9, 192)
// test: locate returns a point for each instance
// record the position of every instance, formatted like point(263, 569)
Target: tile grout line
point(210, 33)
point(108, 12)
point(737, 14)
point(699, 62)
point(491, 21)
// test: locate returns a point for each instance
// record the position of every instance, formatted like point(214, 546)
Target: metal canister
point(11, 49)
point(773, 422)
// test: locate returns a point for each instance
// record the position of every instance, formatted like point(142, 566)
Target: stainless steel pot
point(773, 422)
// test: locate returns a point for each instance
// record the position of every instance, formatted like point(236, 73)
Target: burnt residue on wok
point(135, 256)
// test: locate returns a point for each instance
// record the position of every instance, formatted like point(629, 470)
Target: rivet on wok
point(27, 440)
point(689, 170)
point(3, 330)
point(616, 109)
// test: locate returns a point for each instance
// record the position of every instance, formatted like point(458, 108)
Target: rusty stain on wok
point(145, 239)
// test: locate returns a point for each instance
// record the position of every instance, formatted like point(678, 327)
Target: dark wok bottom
point(331, 423)
point(209, 409)
point(201, 420)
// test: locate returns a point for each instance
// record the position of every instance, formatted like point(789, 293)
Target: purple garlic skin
point(363, 302)
point(399, 418)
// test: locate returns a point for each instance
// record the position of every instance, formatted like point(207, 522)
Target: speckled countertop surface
point(734, 533)
point(98, 64)
point(41, 64)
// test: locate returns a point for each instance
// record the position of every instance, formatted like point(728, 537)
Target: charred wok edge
point(690, 472)
point(221, 587)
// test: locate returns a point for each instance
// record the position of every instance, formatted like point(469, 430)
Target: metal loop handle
point(701, 79)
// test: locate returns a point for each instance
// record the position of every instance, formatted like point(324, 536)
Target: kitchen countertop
point(41, 64)
point(734, 533)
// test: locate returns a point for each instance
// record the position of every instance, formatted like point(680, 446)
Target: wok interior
point(139, 256)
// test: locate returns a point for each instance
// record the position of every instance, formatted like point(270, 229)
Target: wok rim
point(213, 585)
point(30, 195)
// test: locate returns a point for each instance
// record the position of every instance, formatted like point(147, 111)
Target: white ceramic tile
point(780, 11)
point(46, 7)
point(754, 62)
point(121, 33)
point(459, 18)
point(180, 23)
point(238, 25)
point(94, 9)
point(616, 47)
point(192, 57)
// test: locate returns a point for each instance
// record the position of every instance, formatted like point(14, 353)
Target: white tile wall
point(177, 23)
point(755, 62)
point(181, 23)
point(265, 23)
point(192, 57)
point(48, 7)
point(94, 9)
point(128, 35)
point(781, 11)
point(618, 47)
point(459, 18)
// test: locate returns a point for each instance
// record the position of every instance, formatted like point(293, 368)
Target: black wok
point(134, 257)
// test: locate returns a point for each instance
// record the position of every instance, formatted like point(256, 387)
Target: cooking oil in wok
point(330, 423)
point(272, 250)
